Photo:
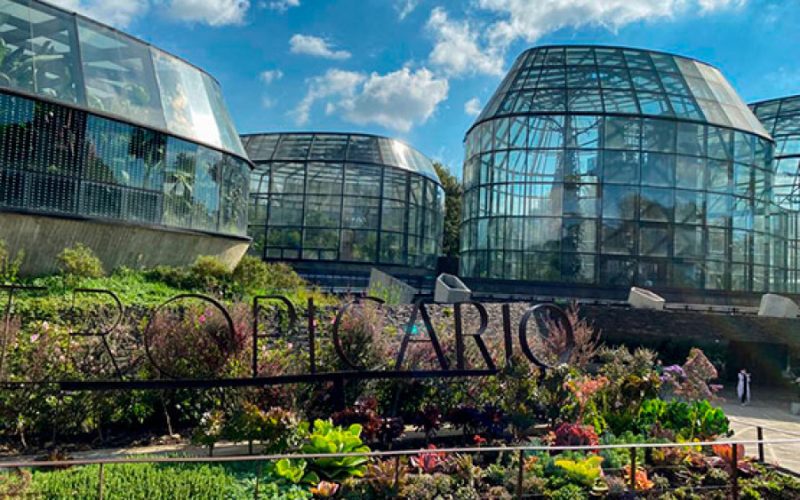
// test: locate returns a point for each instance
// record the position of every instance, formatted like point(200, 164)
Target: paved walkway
point(770, 410)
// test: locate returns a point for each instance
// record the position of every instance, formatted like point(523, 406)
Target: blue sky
point(420, 69)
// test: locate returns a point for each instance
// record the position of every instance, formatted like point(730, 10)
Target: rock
point(640, 298)
point(450, 289)
point(778, 306)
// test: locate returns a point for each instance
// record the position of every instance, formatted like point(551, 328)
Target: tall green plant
point(10, 265)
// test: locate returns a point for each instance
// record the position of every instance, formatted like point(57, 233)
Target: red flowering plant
point(429, 462)
point(568, 434)
point(583, 390)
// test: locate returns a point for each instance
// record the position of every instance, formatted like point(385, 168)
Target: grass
point(147, 481)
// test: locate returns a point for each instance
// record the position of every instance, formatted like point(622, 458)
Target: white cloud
point(472, 107)
point(405, 7)
point(118, 13)
point(211, 12)
point(281, 5)
point(271, 75)
point(315, 46)
point(457, 50)
point(396, 101)
point(335, 82)
point(523, 19)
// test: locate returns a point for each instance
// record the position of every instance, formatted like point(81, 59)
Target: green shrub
point(80, 261)
point(569, 492)
point(254, 275)
point(209, 273)
point(9, 266)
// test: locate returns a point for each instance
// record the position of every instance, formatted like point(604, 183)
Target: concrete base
point(387, 287)
point(639, 298)
point(778, 306)
point(449, 290)
point(116, 244)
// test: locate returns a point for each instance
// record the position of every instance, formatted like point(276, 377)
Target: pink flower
point(202, 319)
point(34, 337)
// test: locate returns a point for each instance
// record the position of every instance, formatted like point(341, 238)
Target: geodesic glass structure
point(781, 117)
point(612, 167)
point(341, 201)
point(97, 124)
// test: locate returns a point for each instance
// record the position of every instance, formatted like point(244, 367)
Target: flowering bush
point(568, 434)
point(691, 381)
point(193, 340)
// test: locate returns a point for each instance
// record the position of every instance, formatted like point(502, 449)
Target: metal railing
point(631, 477)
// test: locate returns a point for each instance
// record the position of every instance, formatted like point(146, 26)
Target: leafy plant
point(584, 472)
point(9, 265)
point(385, 479)
point(278, 430)
point(292, 472)
point(568, 434)
point(642, 482)
point(327, 438)
point(80, 261)
point(429, 462)
point(209, 432)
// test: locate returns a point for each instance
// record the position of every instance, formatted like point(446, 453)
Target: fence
point(397, 455)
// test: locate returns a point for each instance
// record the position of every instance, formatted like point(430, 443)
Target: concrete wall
point(762, 345)
point(43, 238)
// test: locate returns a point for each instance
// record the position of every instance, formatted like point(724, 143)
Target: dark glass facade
point(99, 125)
point(344, 198)
point(614, 167)
point(781, 117)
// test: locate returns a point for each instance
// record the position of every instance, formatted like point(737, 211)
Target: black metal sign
point(275, 317)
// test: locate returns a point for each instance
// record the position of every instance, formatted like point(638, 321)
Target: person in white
point(743, 387)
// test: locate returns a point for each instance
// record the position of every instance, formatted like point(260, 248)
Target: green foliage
point(256, 276)
point(569, 492)
point(287, 472)
point(584, 472)
point(80, 261)
point(327, 438)
point(209, 272)
point(140, 481)
point(9, 265)
point(453, 192)
point(686, 420)
point(210, 429)
point(277, 430)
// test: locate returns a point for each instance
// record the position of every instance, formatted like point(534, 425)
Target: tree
point(453, 192)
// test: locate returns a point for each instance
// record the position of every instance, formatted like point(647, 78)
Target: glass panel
point(228, 137)
point(186, 105)
point(38, 45)
point(619, 202)
point(656, 204)
point(619, 237)
point(622, 133)
point(658, 169)
point(621, 167)
point(118, 74)
point(579, 235)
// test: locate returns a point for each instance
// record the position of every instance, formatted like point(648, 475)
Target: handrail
point(391, 453)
